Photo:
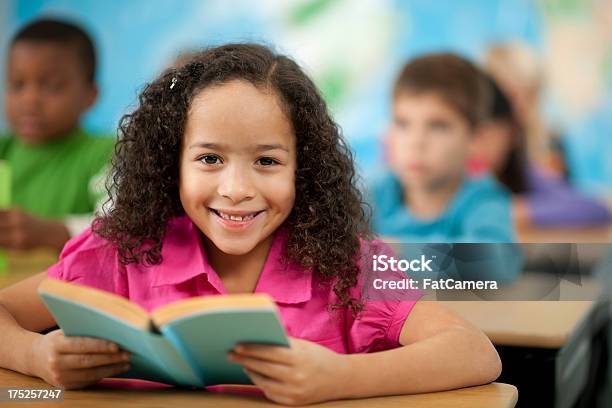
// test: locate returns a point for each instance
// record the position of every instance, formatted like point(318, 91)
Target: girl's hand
point(76, 362)
point(303, 373)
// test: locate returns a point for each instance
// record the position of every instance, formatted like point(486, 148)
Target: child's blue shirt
point(479, 212)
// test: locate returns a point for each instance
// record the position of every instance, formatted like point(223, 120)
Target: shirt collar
point(184, 258)
point(181, 252)
point(285, 282)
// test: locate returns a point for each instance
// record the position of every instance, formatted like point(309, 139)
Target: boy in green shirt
point(57, 169)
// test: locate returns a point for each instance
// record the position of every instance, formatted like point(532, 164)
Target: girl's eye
point(210, 159)
point(267, 161)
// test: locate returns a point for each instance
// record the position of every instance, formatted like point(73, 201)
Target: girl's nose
point(236, 185)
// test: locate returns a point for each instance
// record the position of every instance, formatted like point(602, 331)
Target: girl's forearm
point(16, 344)
point(455, 358)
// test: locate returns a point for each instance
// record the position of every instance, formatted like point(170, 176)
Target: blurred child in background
point(518, 72)
point(439, 103)
point(541, 197)
point(56, 167)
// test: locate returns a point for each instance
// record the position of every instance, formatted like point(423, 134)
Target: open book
point(183, 343)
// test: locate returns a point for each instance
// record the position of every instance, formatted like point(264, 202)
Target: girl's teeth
point(235, 217)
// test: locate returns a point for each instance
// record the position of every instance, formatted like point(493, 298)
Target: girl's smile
point(236, 220)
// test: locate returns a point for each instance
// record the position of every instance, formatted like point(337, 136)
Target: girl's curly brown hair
point(327, 220)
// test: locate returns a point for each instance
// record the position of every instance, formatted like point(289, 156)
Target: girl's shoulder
point(370, 249)
point(87, 241)
point(178, 231)
point(85, 258)
point(374, 246)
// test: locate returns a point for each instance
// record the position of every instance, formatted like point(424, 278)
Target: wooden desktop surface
point(529, 233)
point(544, 323)
point(23, 264)
point(489, 396)
point(547, 324)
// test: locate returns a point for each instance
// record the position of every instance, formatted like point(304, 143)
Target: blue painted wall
point(136, 39)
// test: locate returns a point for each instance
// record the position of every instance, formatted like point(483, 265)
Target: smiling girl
point(231, 177)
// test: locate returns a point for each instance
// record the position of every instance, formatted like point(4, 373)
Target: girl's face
point(237, 166)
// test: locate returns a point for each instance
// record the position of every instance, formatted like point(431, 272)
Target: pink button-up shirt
point(302, 297)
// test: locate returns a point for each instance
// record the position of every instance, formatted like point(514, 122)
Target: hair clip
point(174, 80)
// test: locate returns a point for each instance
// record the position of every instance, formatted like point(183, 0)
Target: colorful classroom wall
point(354, 49)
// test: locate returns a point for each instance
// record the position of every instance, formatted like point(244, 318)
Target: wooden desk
point(24, 264)
point(548, 348)
point(544, 324)
point(489, 396)
point(530, 233)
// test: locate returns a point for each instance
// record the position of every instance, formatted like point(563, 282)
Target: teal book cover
point(184, 343)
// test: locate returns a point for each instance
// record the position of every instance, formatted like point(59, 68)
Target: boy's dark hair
point(513, 173)
point(327, 220)
point(54, 31)
point(453, 78)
